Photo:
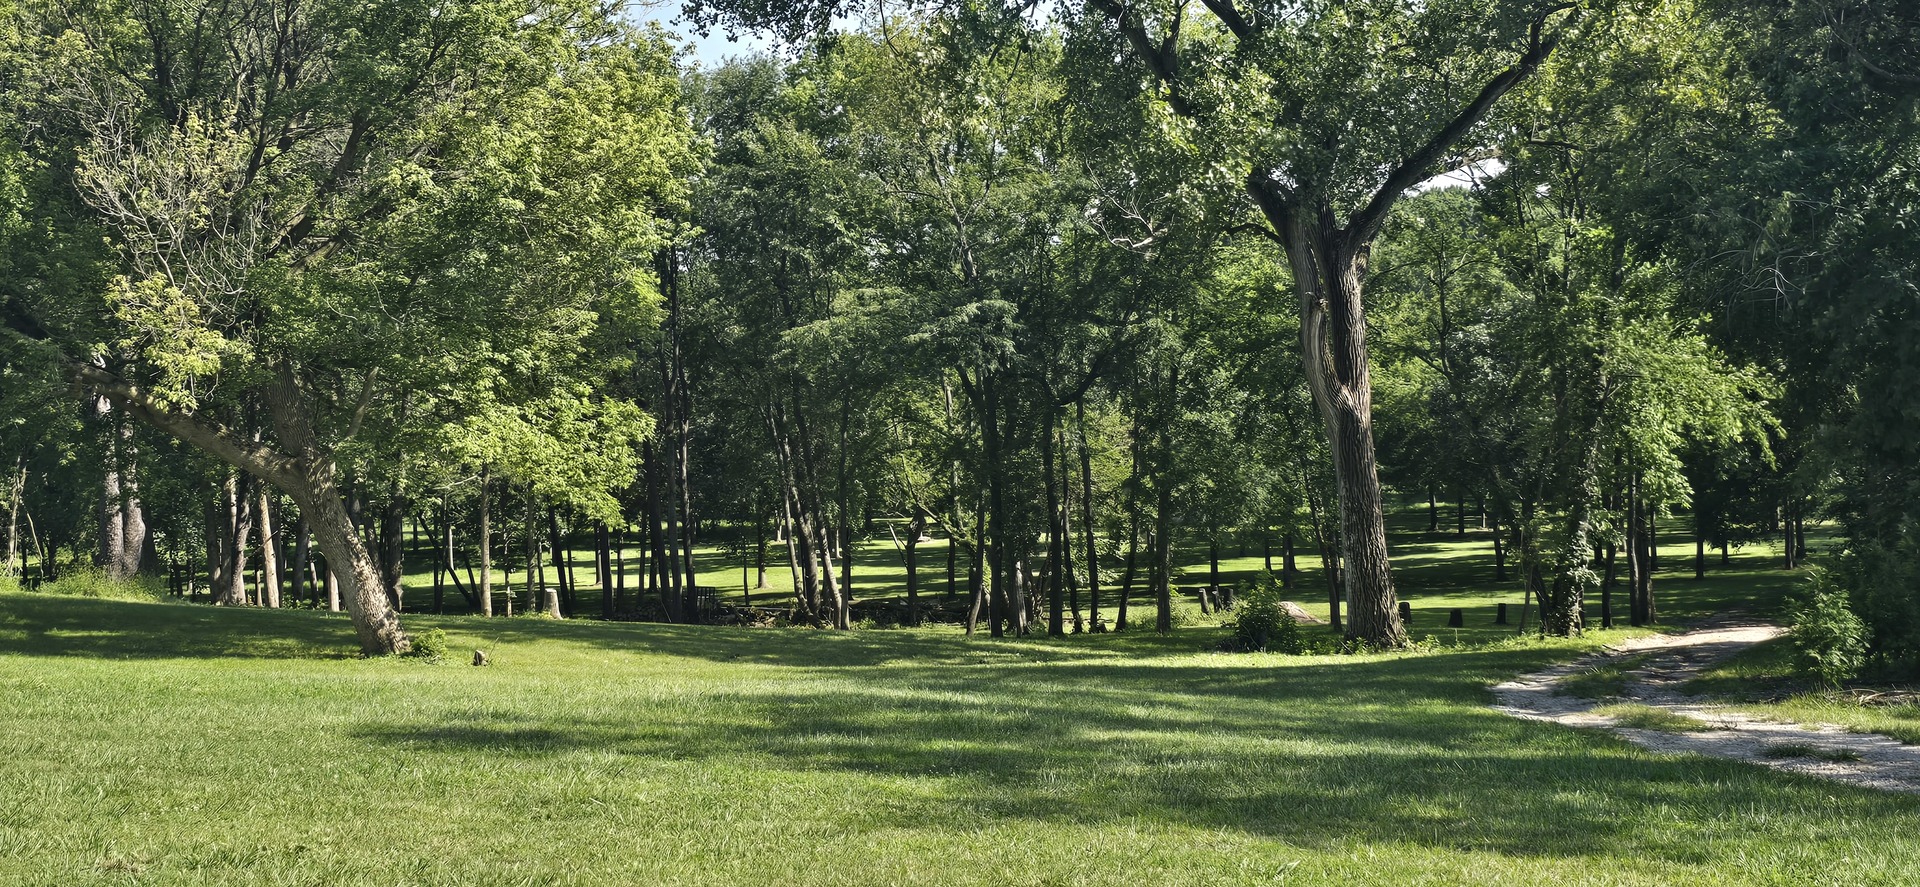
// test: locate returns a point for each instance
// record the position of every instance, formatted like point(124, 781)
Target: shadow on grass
point(1321, 755)
point(49, 625)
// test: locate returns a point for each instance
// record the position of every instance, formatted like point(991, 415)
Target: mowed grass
point(163, 743)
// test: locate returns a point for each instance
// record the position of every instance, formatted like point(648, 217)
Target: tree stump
point(1456, 618)
point(1406, 613)
point(553, 603)
point(1500, 618)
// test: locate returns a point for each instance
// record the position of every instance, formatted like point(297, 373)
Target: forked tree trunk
point(1329, 273)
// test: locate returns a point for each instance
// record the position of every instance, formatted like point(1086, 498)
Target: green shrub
point(1260, 621)
point(1881, 577)
point(1830, 637)
point(431, 645)
point(88, 582)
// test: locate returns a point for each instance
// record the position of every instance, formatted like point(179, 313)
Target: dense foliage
point(481, 283)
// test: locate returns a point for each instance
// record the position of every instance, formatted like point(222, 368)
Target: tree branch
point(1161, 60)
point(1230, 16)
point(1540, 44)
point(257, 459)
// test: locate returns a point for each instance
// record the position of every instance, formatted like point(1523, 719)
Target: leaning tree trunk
point(303, 469)
point(311, 480)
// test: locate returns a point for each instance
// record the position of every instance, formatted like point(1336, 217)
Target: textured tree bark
point(112, 522)
point(1607, 582)
point(562, 561)
point(1213, 568)
point(1129, 569)
point(603, 563)
point(1163, 559)
point(302, 468)
point(1066, 536)
point(977, 579)
point(1639, 565)
point(1499, 553)
point(1163, 515)
point(915, 527)
point(1329, 273)
point(760, 562)
point(239, 521)
point(311, 484)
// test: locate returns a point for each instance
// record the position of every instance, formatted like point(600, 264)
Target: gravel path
point(1674, 659)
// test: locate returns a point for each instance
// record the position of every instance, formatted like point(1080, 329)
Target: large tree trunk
point(239, 526)
point(1329, 273)
point(301, 468)
point(1092, 559)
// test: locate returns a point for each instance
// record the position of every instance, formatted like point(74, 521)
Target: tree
point(322, 206)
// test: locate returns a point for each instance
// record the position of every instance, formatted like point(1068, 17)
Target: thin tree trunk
point(1499, 553)
point(914, 528)
point(269, 555)
point(303, 588)
point(1092, 559)
point(1056, 586)
point(486, 544)
point(1128, 570)
point(1606, 586)
point(393, 550)
point(16, 496)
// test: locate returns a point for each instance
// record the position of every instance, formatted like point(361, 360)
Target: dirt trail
point(1674, 659)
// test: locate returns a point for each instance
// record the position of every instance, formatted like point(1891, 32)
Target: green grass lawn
point(166, 743)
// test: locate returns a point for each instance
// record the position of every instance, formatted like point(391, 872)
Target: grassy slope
point(160, 743)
